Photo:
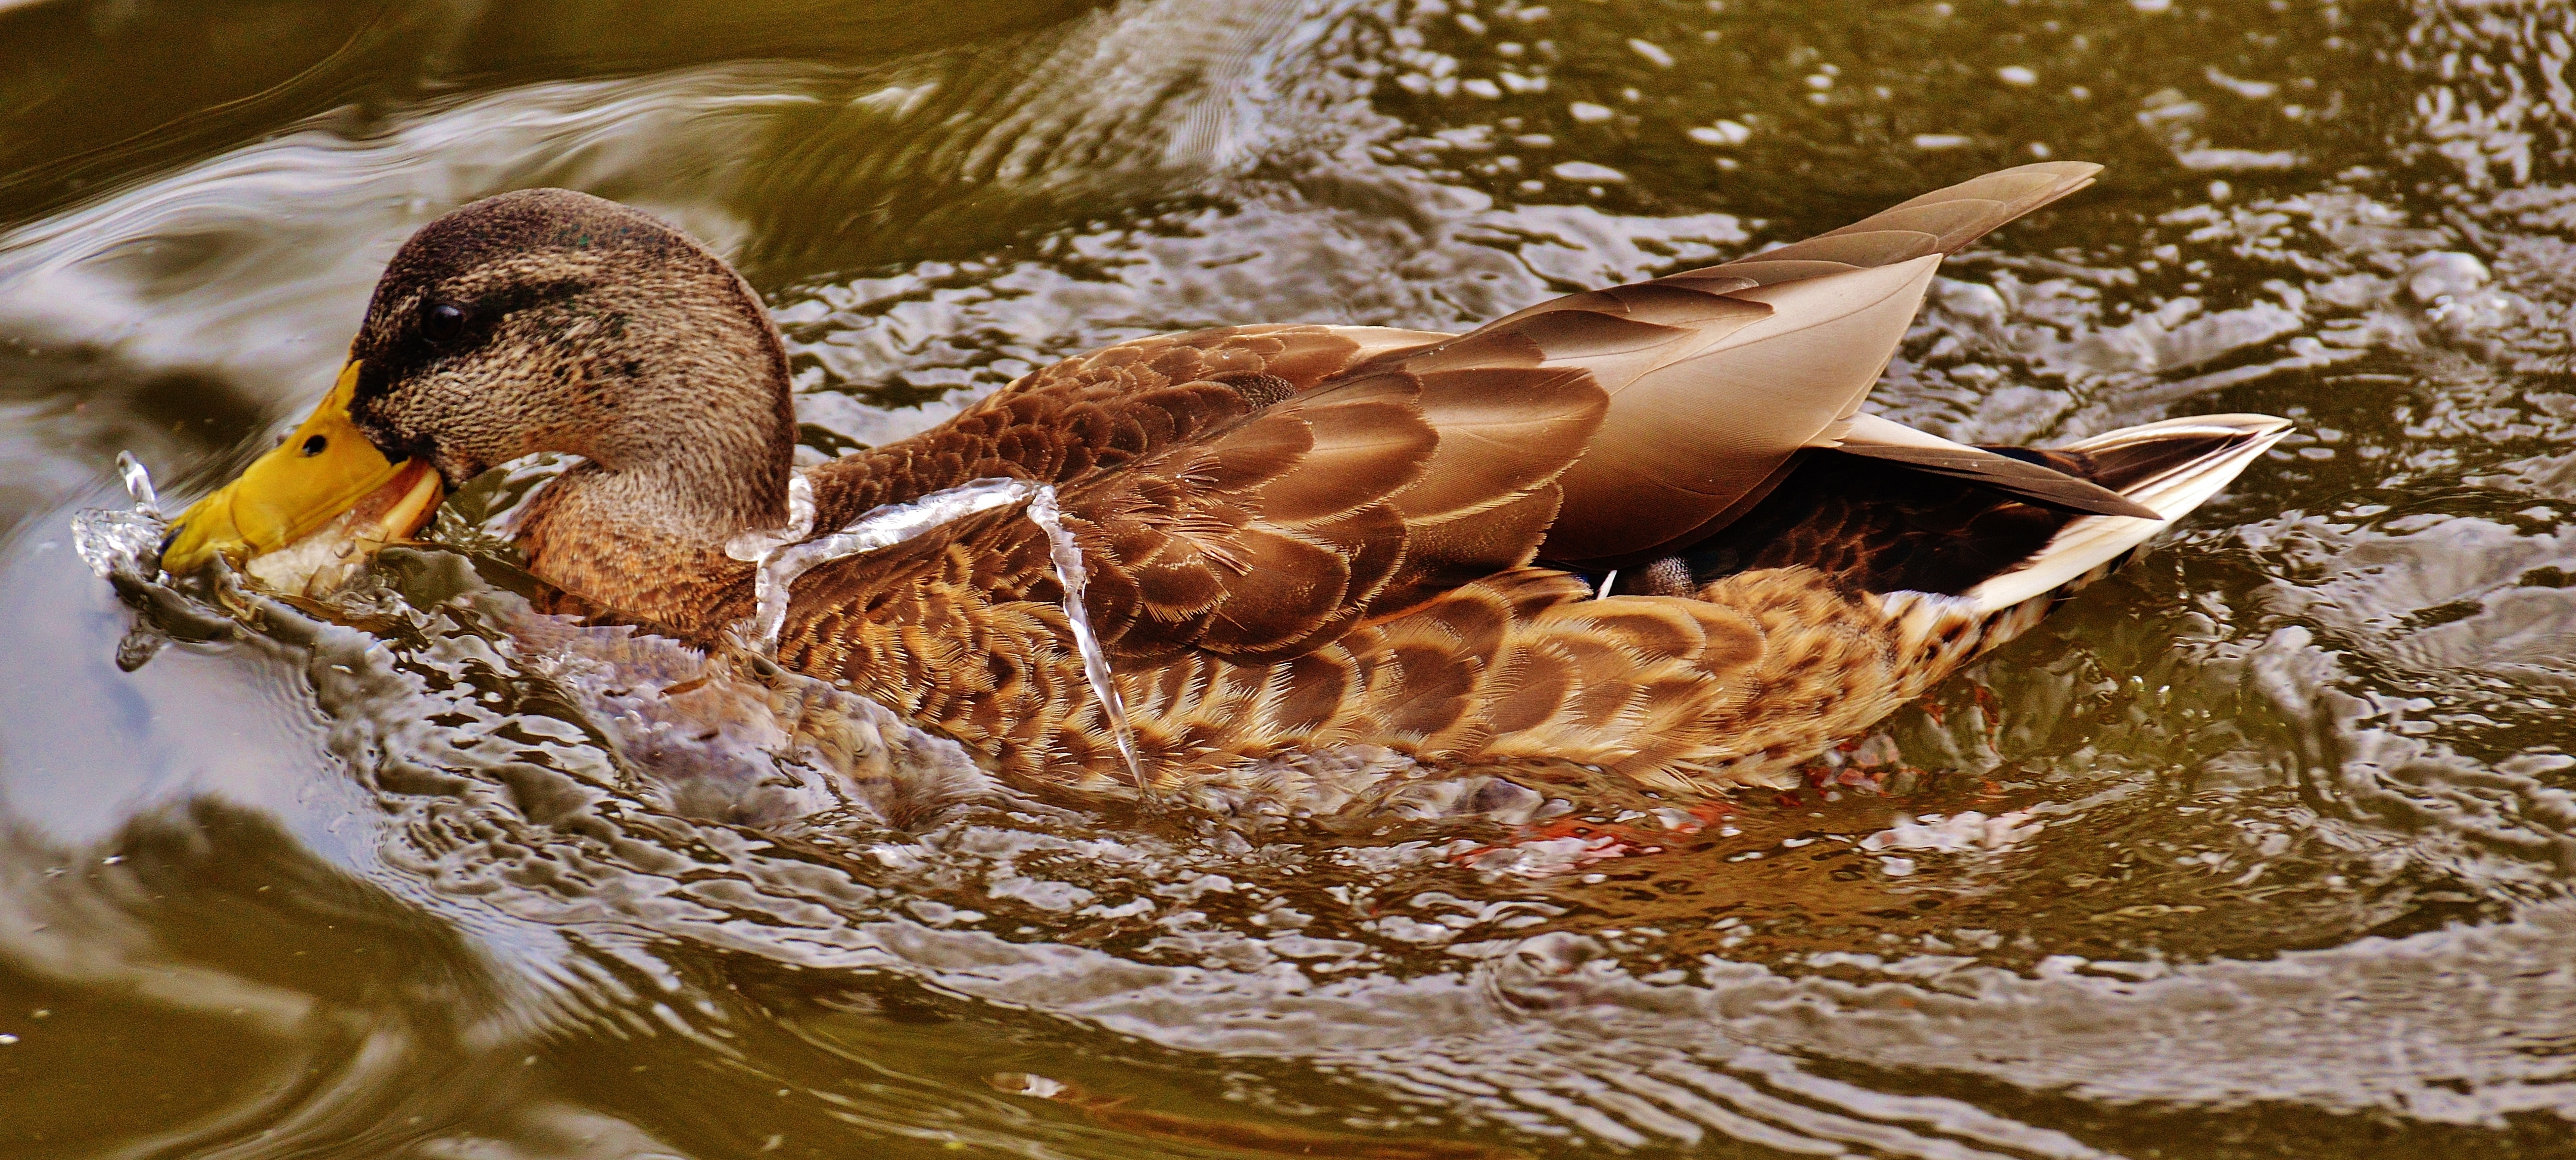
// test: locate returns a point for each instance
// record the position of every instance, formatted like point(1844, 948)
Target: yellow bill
point(325, 471)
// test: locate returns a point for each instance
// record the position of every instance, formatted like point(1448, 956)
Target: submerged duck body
point(1645, 528)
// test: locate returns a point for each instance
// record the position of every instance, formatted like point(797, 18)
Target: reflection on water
point(2259, 848)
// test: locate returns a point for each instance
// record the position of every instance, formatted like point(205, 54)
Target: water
point(1067, 558)
point(782, 557)
point(2258, 848)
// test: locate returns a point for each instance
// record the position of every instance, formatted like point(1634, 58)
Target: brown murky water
point(2274, 832)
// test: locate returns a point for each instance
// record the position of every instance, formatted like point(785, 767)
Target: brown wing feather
point(1102, 411)
point(1254, 492)
point(1688, 438)
point(1270, 577)
point(1716, 376)
point(1372, 493)
point(1228, 508)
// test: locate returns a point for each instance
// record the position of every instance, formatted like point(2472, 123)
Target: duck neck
point(681, 468)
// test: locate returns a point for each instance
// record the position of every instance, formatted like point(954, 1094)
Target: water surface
point(2260, 848)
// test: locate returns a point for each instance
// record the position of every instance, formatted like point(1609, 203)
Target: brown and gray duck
point(1647, 528)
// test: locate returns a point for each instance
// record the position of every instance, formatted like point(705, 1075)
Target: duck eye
point(441, 321)
point(313, 446)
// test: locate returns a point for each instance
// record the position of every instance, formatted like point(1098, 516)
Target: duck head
point(542, 320)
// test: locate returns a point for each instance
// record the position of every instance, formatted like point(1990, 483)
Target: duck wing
point(1368, 494)
point(1104, 411)
point(1247, 492)
point(1717, 376)
point(1254, 492)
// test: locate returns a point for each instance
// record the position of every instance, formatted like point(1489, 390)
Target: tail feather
point(2171, 467)
point(2060, 483)
point(1965, 533)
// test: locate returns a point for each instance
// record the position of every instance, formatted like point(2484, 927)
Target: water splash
point(730, 738)
point(753, 547)
point(513, 496)
point(138, 483)
point(1067, 556)
point(780, 560)
point(123, 540)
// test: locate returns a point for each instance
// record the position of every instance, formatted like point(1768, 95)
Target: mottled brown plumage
point(1307, 536)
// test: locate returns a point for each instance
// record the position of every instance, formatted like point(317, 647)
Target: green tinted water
point(2289, 826)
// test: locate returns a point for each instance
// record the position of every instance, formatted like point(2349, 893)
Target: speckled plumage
point(1302, 537)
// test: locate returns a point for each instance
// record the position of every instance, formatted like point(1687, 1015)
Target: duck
point(1648, 529)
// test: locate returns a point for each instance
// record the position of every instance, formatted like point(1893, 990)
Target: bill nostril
point(315, 445)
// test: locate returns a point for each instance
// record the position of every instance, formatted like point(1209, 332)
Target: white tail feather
point(2093, 541)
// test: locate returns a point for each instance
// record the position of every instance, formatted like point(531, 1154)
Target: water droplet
point(1587, 171)
point(1722, 133)
point(1654, 53)
point(138, 483)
